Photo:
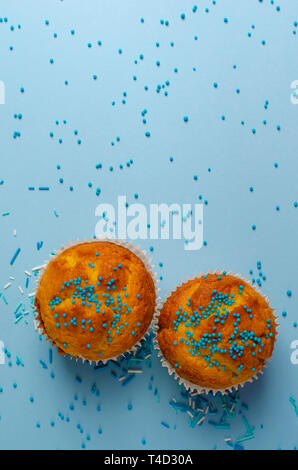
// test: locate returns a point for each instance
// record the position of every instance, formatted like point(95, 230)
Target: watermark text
point(153, 222)
point(2, 92)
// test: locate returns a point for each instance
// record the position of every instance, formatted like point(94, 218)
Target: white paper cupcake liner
point(194, 388)
point(150, 268)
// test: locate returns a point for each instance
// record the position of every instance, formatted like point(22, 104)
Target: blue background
point(237, 157)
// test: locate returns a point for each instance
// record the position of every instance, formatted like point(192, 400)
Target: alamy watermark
point(294, 94)
point(157, 221)
point(2, 92)
point(294, 355)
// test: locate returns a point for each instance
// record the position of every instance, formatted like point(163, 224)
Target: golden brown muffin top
point(216, 331)
point(95, 300)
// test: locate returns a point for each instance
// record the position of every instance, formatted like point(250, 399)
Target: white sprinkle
point(21, 290)
point(7, 285)
point(37, 268)
point(14, 233)
point(32, 294)
point(135, 371)
point(28, 274)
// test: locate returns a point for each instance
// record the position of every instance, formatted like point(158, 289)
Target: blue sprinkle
point(15, 256)
point(166, 425)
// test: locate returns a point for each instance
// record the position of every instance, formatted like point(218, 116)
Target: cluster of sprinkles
point(99, 298)
point(160, 87)
point(217, 412)
point(123, 372)
point(259, 276)
point(209, 344)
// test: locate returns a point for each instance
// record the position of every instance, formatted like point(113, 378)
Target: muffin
point(95, 300)
point(216, 332)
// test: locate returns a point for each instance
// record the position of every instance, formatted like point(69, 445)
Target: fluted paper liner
point(194, 388)
point(147, 262)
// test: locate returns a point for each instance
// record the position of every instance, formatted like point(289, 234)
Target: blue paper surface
point(45, 44)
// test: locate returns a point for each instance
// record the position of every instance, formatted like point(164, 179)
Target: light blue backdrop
point(237, 157)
